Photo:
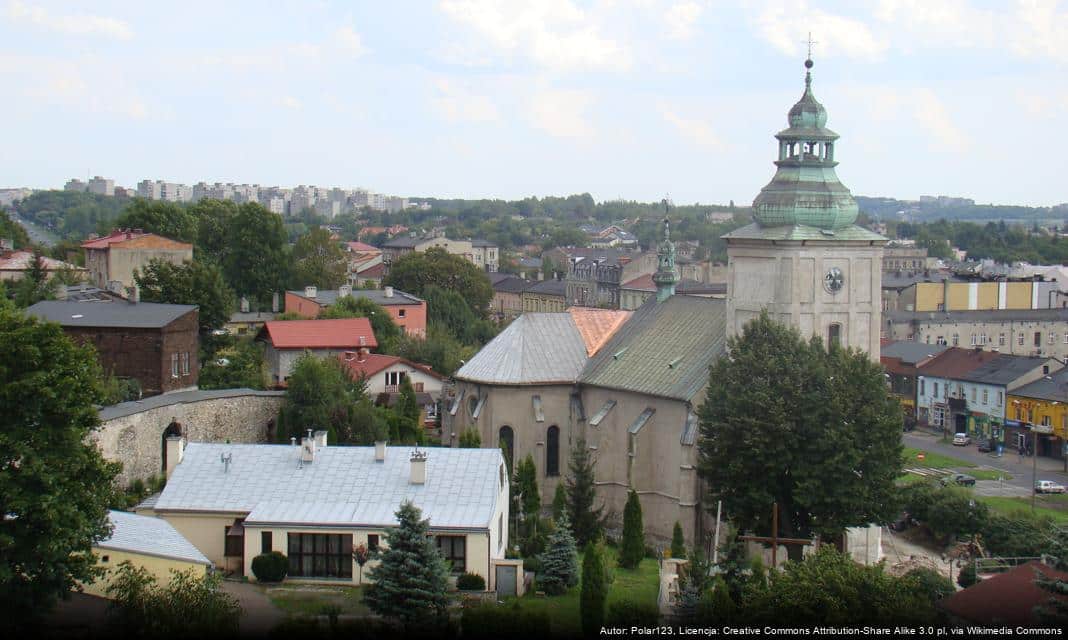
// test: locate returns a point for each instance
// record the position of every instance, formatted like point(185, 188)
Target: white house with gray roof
point(316, 503)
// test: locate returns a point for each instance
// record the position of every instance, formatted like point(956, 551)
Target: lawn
point(989, 474)
point(933, 460)
point(309, 600)
point(1053, 506)
point(641, 585)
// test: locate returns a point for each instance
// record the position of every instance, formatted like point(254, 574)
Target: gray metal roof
point(911, 352)
point(327, 297)
point(1005, 369)
point(550, 288)
point(343, 486)
point(142, 315)
point(1053, 387)
point(179, 397)
point(149, 536)
point(511, 284)
point(536, 348)
point(800, 232)
point(992, 315)
point(664, 349)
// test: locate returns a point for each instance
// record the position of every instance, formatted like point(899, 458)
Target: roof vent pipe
point(418, 472)
point(380, 450)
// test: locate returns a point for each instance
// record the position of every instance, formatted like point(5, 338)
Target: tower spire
point(666, 276)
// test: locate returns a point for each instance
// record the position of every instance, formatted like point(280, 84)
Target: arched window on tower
point(552, 451)
point(834, 335)
point(506, 441)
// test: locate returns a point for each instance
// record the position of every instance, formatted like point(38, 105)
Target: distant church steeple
point(666, 276)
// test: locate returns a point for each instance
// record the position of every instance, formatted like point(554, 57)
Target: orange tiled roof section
point(597, 326)
point(135, 240)
point(642, 283)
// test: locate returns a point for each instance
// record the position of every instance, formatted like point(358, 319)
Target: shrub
point(532, 563)
point(633, 547)
point(471, 582)
point(594, 591)
point(270, 567)
point(678, 544)
point(492, 621)
point(967, 576)
point(626, 614)
point(933, 585)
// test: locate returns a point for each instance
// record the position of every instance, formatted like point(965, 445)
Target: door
point(506, 576)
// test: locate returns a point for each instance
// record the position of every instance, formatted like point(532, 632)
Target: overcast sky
point(480, 98)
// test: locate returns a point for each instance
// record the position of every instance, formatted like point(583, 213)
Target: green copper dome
point(805, 189)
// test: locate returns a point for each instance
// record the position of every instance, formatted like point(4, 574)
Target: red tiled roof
point(1005, 599)
point(22, 261)
point(596, 326)
point(375, 362)
point(361, 247)
point(895, 365)
point(954, 362)
point(374, 271)
point(347, 333)
point(136, 239)
point(642, 283)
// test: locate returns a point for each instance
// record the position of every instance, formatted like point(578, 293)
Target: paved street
point(1010, 462)
point(37, 234)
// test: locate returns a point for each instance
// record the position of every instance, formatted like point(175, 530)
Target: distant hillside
point(72, 215)
point(888, 209)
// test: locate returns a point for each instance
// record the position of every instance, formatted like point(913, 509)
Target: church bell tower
point(803, 258)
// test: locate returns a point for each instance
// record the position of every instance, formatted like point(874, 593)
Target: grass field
point(309, 600)
point(934, 460)
point(639, 585)
point(1053, 506)
point(989, 474)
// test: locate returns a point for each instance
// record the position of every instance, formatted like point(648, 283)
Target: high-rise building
point(102, 186)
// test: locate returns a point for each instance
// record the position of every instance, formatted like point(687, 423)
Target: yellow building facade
point(977, 296)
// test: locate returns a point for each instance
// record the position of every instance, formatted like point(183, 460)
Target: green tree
point(559, 502)
point(632, 548)
point(411, 579)
point(256, 263)
point(470, 439)
point(581, 493)
point(932, 584)
point(318, 261)
point(678, 543)
point(188, 607)
point(449, 311)
point(442, 352)
point(320, 395)
point(387, 333)
point(195, 282)
point(214, 218)
point(407, 405)
point(559, 562)
point(818, 427)
point(594, 594)
point(167, 219)
point(35, 285)
point(240, 366)
point(415, 271)
point(12, 230)
point(526, 484)
point(55, 486)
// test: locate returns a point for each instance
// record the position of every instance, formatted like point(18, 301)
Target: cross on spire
point(810, 42)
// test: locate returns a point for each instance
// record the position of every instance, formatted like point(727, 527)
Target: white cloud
point(931, 113)
point(349, 41)
point(680, 19)
point(1042, 31)
point(904, 108)
point(69, 24)
point(290, 102)
point(694, 130)
point(562, 112)
point(785, 24)
point(554, 34)
point(457, 104)
point(946, 22)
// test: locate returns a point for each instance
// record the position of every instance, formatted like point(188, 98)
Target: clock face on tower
point(834, 280)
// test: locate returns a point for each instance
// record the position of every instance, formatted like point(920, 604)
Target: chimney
point(320, 439)
point(389, 292)
point(244, 304)
point(344, 290)
point(310, 291)
point(418, 475)
point(349, 356)
point(307, 449)
point(380, 450)
point(133, 294)
point(61, 292)
point(175, 452)
point(274, 302)
point(361, 355)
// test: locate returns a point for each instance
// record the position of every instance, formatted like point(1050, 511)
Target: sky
point(633, 99)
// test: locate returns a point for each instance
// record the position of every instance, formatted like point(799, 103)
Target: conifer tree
point(470, 439)
point(559, 563)
point(526, 483)
point(678, 543)
point(594, 590)
point(586, 521)
point(632, 549)
point(411, 581)
point(559, 502)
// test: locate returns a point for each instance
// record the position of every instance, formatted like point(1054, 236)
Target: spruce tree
point(581, 492)
point(411, 580)
point(559, 502)
point(678, 543)
point(559, 563)
point(632, 549)
point(526, 483)
point(594, 590)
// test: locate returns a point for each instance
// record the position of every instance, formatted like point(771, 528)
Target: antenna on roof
point(226, 459)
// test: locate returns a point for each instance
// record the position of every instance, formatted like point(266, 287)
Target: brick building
point(156, 344)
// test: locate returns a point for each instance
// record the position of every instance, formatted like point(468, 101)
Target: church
point(630, 382)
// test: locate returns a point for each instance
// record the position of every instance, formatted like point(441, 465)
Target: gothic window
point(552, 451)
point(507, 442)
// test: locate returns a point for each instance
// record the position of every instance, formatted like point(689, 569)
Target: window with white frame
point(975, 339)
point(185, 363)
point(956, 339)
point(938, 413)
point(1001, 339)
point(1046, 421)
point(986, 396)
point(1020, 339)
point(395, 378)
point(174, 365)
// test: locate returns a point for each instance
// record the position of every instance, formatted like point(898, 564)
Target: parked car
point(962, 479)
point(1048, 486)
point(961, 439)
point(986, 446)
